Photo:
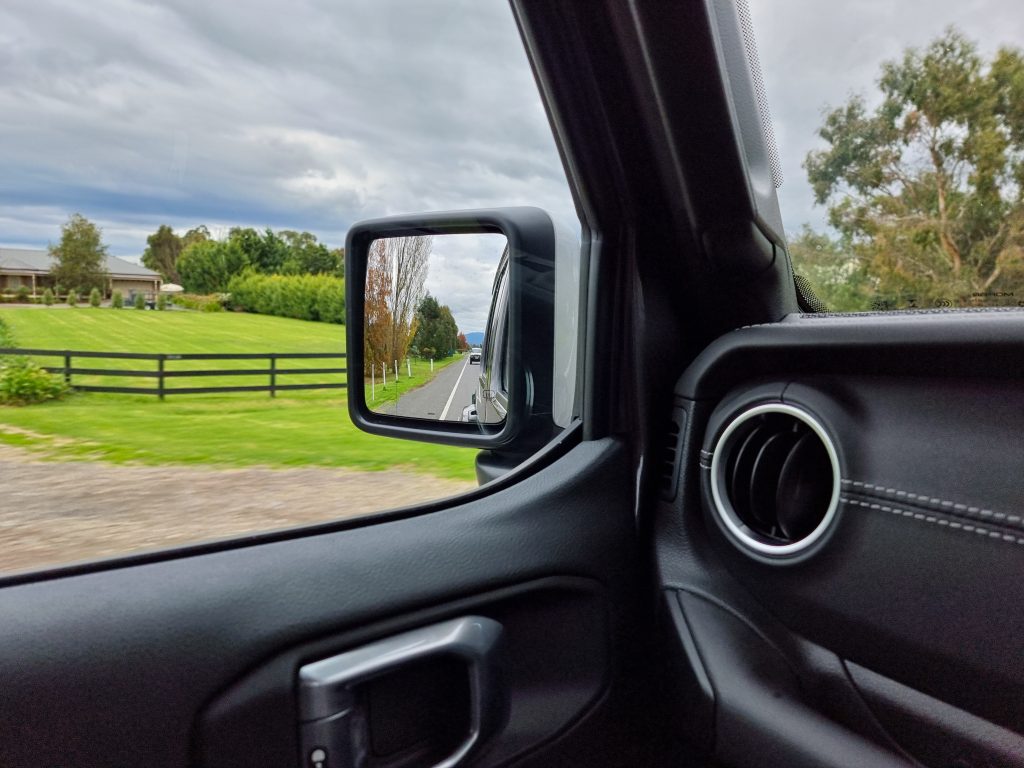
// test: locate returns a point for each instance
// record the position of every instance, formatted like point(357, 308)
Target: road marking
point(444, 413)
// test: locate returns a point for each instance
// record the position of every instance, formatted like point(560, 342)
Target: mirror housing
point(531, 238)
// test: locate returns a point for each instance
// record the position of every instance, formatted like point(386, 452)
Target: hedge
point(200, 303)
point(304, 297)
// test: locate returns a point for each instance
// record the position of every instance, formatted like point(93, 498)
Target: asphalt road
point(452, 388)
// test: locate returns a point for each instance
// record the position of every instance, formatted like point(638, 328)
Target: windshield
point(901, 133)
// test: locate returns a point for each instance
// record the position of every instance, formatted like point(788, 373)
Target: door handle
point(334, 731)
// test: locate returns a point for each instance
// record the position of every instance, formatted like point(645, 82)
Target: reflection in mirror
point(435, 327)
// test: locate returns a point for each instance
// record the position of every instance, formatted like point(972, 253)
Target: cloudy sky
point(313, 114)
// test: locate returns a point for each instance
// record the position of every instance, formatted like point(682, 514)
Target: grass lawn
point(132, 330)
point(243, 429)
point(176, 332)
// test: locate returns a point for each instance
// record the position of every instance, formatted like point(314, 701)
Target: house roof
point(39, 261)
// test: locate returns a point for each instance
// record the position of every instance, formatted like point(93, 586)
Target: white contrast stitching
point(932, 500)
point(938, 521)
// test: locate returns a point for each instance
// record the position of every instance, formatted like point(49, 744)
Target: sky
point(461, 274)
point(314, 114)
point(293, 114)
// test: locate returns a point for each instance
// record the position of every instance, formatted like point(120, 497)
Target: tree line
point(195, 260)
point(201, 263)
point(925, 189)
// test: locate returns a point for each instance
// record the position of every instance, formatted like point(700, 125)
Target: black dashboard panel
point(916, 581)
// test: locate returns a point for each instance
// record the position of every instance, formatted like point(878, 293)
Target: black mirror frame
point(531, 252)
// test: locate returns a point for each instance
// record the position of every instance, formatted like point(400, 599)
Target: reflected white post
point(384, 370)
point(431, 365)
point(396, 372)
point(408, 367)
point(373, 382)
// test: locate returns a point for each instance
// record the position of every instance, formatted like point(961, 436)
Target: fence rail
point(162, 374)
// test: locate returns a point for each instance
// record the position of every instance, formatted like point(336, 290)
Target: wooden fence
point(162, 372)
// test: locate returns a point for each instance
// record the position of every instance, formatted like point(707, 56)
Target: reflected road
point(453, 388)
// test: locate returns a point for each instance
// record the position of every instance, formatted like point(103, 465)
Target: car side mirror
point(388, 339)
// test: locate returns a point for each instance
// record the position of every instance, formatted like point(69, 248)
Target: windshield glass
point(901, 134)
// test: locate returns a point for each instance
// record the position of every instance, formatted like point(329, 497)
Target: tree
point(377, 322)
point(437, 335)
point(925, 189)
point(338, 256)
point(837, 275)
point(409, 261)
point(80, 257)
point(206, 266)
point(306, 254)
point(161, 255)
point(266, 253)
point(461, 343)
point(195, 235)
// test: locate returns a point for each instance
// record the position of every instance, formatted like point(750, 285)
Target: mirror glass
point(434, 327)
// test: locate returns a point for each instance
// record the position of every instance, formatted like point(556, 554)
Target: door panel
point(115, 667)
point(901, 617)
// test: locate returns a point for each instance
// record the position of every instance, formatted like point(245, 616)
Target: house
point(31, 268)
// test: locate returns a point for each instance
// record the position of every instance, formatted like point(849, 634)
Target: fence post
point(160, 377)
point(384, 370)
point(396, 372)
point(273, 375)
point(431, 365)
point(67, 367)
point(408, 367)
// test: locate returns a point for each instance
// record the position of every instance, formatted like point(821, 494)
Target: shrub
point(6, 337)
point(48, 297)
point(95, 297)
point(116, 300)
point(72, 298)
point(304, 297)
point(22, 294)
point(161, 302)
point(23, 382)
point(140, 301)
point(212, 303)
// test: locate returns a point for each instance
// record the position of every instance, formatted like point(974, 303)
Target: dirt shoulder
point(60, 512)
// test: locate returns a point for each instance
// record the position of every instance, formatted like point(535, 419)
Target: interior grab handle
point(333, 729)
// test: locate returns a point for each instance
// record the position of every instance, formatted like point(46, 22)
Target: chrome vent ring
point(775, 480)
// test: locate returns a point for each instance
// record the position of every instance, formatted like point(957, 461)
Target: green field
point(238, 429)
point(131, 330)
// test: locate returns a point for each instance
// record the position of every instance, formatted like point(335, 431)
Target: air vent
point(668, 458)
point(668, 468)
point(775, 480)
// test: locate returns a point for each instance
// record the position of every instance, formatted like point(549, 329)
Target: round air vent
point(775, 480)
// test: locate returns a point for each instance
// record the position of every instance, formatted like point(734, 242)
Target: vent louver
point(775, 479)
point(669, 456)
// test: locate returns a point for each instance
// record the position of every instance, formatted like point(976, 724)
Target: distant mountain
point(475, 339)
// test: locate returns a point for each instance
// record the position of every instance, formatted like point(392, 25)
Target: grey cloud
point(307, 115)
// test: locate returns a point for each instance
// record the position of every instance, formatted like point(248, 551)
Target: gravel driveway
point(60, 512)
